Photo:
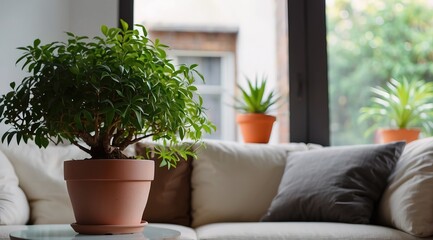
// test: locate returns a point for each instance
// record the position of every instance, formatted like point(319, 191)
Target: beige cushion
point(236, 182)
point(14, 208)
point(40, 172)
point(300, 230)
point(407, 203)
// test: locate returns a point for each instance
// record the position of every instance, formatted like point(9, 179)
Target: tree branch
point(87, 138)
point(126, 143)
point(81, 147)
point(97, 130)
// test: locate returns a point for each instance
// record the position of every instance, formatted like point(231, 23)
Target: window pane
point(230, 40)
point(210, 67)
point(369, 42)
point(212, 104)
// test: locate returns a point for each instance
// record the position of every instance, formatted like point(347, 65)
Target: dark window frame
point(308, 70)
point(126, 12)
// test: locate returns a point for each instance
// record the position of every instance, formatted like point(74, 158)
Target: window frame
point(308, 70)
point(226, 89)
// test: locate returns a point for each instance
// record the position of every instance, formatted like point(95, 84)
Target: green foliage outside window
point(370, 42)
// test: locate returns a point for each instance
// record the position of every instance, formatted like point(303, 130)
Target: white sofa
point(232, 187)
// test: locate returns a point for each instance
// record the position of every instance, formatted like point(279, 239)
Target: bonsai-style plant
point(102, 95)
point(400, 107)
point(108, 94)
point(254, 103)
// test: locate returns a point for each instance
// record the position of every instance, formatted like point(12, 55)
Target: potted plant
point(403, 107)
point(103, 95)
point(254, 103)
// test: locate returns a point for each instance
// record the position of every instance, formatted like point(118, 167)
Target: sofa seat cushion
point(235, 182)
point(299, 230)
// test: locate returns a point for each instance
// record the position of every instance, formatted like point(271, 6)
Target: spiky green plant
point(401, 104)
point(254, 99)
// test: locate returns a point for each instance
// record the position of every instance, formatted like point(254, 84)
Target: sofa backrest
point(230, 181)
point(40, 174)
point(236, 182)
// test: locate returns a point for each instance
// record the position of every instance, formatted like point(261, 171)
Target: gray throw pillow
point(334, 184)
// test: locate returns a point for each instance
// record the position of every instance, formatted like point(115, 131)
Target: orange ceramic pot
point(108, 196)
point(392, 135)
point(255, 127)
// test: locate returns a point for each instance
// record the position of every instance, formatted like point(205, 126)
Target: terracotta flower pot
point(108, 196)
point(392, 135)
point(255, 127)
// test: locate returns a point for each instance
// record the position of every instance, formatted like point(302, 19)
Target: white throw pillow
point(234, 182)
point(40, 172)
point(407, 203)
point(14, 208)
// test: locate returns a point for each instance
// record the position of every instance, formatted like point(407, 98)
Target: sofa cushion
point(299, 230)
point(236, 182)
point(334, 184)
point(40, 172)
point(170, 195)
point(407, 203)
point(14, 208)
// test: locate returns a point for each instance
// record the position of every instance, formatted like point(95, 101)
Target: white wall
point(255, 20)
point(22, 21)
point(87, 16)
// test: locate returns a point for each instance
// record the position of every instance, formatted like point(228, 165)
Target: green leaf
point(139, 119)
point(36, 42)
point(5, 135)
point(77, 121)
point(120, 93)
point(109, 117)
point(88, 116)
point(124, 24)
point(181, 133)
point(21, 58)
point(192, 88)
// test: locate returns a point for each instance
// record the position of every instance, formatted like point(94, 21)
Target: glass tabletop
point(65, 232)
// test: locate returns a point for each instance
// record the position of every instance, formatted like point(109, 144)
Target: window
point(370, 42)
point(214, 52)
point(217, 93)
point(231, 40)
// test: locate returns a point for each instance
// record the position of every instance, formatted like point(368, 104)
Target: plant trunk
point(101, 152)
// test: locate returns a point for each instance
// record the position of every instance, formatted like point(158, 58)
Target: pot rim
point(109, 169)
